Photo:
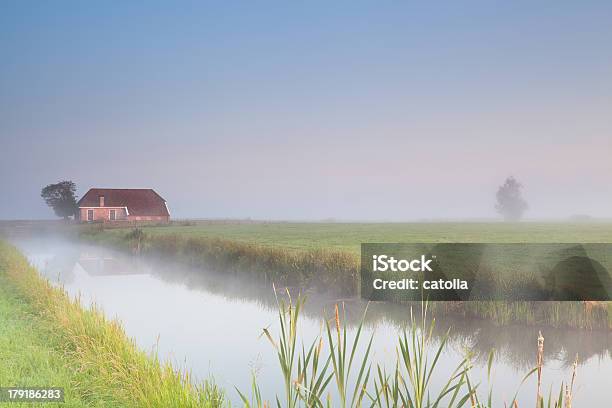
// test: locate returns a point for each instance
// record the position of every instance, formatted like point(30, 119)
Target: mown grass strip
point(106, 364)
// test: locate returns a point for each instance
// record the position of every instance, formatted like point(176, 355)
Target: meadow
point(348, 236)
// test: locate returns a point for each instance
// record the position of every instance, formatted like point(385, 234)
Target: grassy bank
point(51, 340)
point(29, 352)
point(318, 268)
point(337, 270)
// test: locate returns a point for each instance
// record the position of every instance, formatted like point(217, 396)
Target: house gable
point(107, 204)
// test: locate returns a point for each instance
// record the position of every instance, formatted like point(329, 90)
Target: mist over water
point(211, 324)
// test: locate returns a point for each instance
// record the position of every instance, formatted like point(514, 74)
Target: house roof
point(139, 201)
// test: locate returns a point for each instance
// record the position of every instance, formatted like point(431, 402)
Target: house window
point(112, 215)
point(89, 215)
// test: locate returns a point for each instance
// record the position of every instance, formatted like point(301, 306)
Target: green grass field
point(349, 236)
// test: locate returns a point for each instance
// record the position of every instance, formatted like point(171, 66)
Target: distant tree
point(510, 202)
point(61, 197)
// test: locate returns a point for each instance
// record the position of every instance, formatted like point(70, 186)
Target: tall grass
point(320, 269)
point(336, 369)
point(331, 271)
point(534, 313)
point(110, 362)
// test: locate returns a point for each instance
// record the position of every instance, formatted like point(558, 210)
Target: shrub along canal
point(212, 326)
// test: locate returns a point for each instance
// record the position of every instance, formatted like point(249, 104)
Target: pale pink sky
point(372, 112)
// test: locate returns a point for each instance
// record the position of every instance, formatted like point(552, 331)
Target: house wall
point(157, 218)
point(103, 213)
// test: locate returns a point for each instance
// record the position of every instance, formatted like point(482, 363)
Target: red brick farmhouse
point(122, 204)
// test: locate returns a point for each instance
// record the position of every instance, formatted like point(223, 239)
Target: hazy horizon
point(310, 111)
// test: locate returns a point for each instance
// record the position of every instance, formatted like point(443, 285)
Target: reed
point(411, 383)
point(107, 361)
point(336, 369)
point(534, 313)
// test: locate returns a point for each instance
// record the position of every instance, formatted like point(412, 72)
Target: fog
point(353, 112)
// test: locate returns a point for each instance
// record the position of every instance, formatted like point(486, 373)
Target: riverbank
point(337, 271)
point(321, 269)
point(228, 341)
point(48, 339)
